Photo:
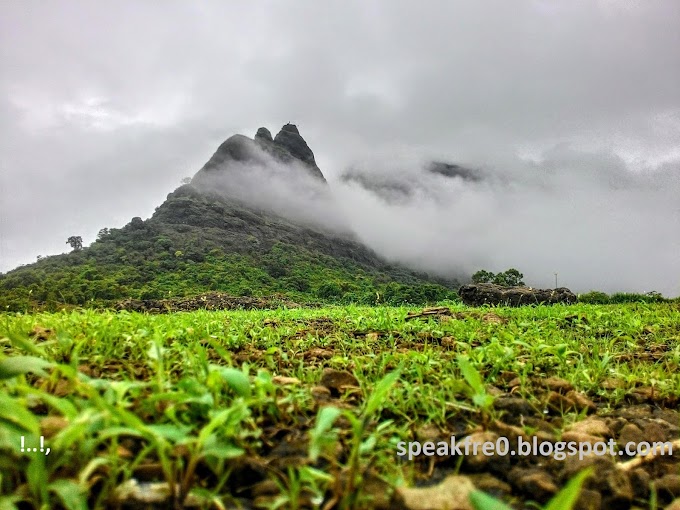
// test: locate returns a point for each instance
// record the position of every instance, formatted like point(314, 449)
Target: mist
point(586, 216)
point(597, 222)
point(287, 190)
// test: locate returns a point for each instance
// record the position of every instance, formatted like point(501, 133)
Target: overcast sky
point(106, 106)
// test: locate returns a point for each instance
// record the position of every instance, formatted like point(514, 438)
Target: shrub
point(594, 297)
point(329, 290)
point(483, 276)
point(629, 297)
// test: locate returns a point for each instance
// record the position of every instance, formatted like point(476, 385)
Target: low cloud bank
point(585, 216)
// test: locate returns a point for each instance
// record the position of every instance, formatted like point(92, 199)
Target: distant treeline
point(595, 297)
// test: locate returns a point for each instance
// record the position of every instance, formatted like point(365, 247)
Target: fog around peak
point(287, 190)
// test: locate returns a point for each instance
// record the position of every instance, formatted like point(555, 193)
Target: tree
point(511, 278)
point(102, 234)
point(186, 180)
point(483, 276)
point(76, 242)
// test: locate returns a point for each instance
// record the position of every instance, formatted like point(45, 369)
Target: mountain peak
point(291, 128)
point(264, 134)
point(289, 138)
point(287, 147)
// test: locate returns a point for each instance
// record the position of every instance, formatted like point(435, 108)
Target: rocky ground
point(207, 301)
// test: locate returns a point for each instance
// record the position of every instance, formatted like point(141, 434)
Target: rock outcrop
point(490, 294)
point(263, 134)
point(287, 147)
point(235, 148)
point(289, 137)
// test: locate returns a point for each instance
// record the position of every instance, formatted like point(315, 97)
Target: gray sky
point(106, 106)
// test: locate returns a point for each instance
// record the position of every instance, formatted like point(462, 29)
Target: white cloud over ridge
point(584, 216)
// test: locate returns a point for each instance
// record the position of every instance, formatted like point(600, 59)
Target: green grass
point(193, 397)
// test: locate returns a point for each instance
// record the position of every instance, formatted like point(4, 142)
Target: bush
point(600, 298)
point(245, 291)
point(628, 297)
point(329, 290)
point(297, 283)
point(594, 297)
point(483, 276)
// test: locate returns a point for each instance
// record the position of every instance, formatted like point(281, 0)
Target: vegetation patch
point(306, 407)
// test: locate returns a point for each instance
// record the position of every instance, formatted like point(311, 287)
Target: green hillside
point(195, 243)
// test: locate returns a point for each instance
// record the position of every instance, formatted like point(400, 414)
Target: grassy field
point(305, 408)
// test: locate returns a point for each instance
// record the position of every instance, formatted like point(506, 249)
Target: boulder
point(479, 294)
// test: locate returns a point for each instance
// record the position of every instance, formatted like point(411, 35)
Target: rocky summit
point(263, 134)
point(287, 147)
point(289, 138)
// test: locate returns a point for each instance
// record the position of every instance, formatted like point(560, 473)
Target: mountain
point(258, 218)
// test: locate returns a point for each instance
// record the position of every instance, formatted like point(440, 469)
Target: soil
point(208, 301)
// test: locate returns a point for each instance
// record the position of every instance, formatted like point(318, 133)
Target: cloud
point(105, 106)
point(583, 215)
point(288, 189)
